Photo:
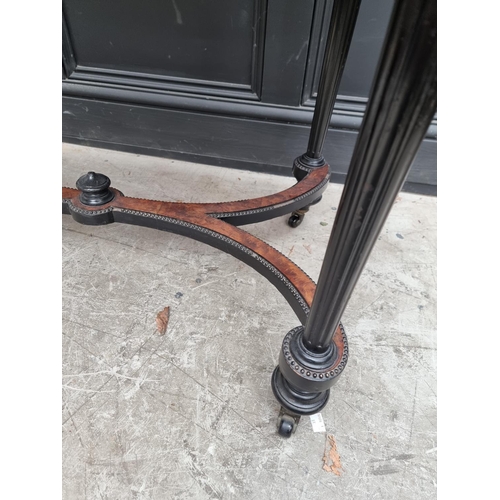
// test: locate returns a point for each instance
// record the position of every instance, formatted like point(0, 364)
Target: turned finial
point(94, 189)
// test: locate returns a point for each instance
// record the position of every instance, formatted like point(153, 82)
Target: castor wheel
point(298, 215)
point(285, 427)
point(287, 424)
point(295, 219)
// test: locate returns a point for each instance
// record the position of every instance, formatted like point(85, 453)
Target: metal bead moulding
point(313, 371)
point(194, 220)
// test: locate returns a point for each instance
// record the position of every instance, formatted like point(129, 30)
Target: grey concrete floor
point(191, 414)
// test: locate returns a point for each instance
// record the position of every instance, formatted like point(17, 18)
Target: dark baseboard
point(219, 137)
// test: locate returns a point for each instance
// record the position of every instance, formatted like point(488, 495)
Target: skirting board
point(227, 141)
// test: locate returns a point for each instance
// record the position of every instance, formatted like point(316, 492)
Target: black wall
point(226, 82)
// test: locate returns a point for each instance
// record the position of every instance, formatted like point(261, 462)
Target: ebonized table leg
point(401, 106)
point(343, 20)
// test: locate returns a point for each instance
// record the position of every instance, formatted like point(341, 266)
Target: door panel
point(174, 44)
point(367, 40)
point(225, 82)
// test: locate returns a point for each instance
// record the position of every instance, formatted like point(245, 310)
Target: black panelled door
point(224, 82)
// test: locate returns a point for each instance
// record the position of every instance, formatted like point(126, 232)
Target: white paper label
point(317, 423)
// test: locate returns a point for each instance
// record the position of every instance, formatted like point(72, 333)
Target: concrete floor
point(191, 414)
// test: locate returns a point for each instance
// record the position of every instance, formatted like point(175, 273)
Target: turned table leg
point(401, 106)
point(342, 24)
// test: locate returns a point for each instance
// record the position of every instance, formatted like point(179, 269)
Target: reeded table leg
point(401, 106)
point(342, 24)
